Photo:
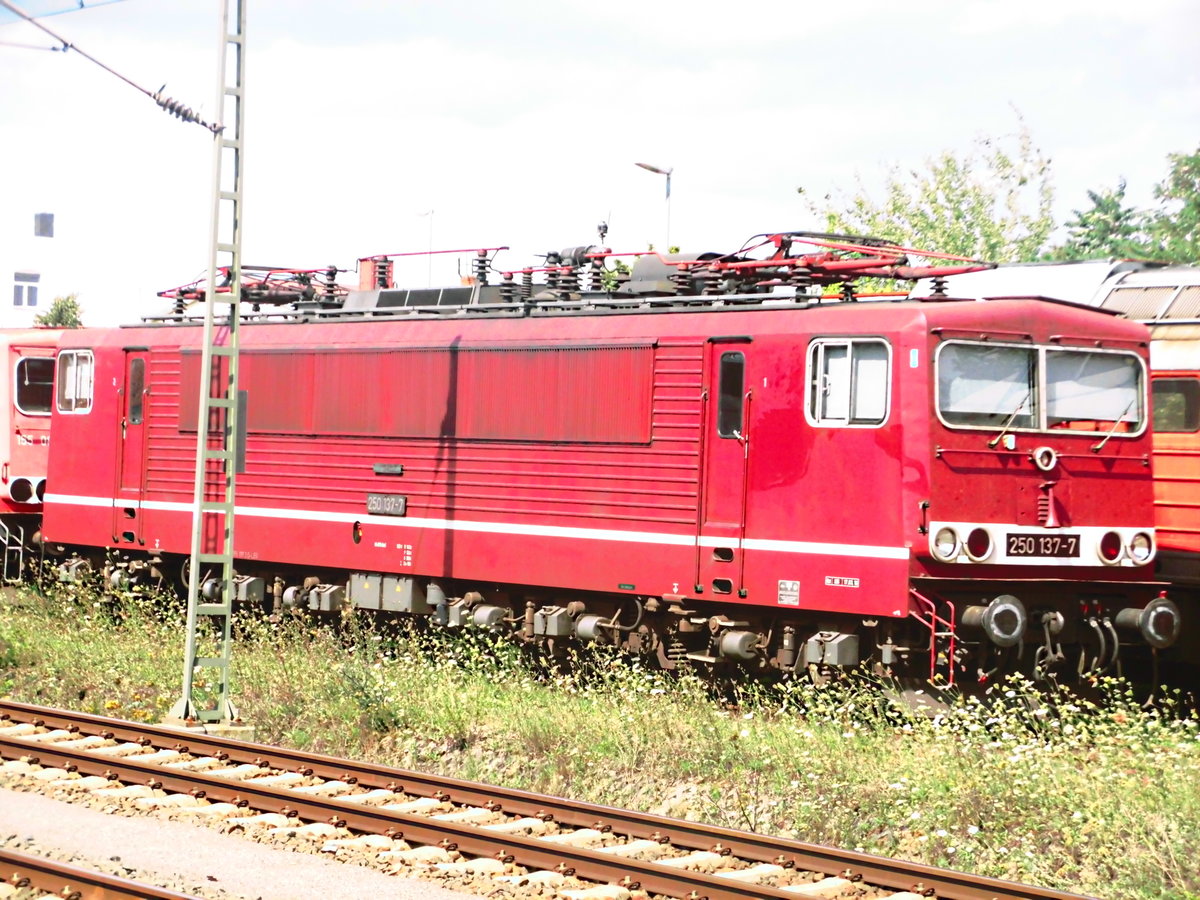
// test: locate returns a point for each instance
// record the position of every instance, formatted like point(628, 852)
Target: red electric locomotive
point(706, 462)
point(26, 397)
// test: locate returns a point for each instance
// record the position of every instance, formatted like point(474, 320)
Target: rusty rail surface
point(20, 870)
point(531, 852)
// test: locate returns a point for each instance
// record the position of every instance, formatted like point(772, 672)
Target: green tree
point(1169, 233)
point(1174, 228)
point(64, 312)
point(992, 203)
point(1108, 229)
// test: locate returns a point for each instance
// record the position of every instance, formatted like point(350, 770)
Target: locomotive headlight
point(945, 544)
point(1141, 547)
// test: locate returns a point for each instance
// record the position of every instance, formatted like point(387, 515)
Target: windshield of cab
point(1030, 388)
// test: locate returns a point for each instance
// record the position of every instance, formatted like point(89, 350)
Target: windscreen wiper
point(1003, 431)
point(1096, 448)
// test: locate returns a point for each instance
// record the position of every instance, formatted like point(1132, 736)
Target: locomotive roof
point(41, 337)
point(774, 274)
point(1016, 318)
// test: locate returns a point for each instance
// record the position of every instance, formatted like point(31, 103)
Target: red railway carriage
point(26, 396)
point(1167, 299)
point(1176, 359)
point(784, 483)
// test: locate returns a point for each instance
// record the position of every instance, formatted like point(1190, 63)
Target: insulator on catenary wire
point(179, 111)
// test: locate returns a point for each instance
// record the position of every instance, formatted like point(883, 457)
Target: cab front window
point(1090, 391)
point(1030, 388)
point(34, 385)
point(984, 385)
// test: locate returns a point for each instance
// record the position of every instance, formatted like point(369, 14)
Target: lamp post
point(666, 172)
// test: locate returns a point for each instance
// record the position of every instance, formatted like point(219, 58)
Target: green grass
point(1099, 798)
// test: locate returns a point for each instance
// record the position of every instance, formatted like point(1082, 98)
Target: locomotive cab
point(1040, 465)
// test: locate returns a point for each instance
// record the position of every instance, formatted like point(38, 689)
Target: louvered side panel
point(171, 455)
point(571, 394)
point(654, 481)
point(388, 393)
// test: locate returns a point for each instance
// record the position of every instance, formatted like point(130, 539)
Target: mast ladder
point(221, 410)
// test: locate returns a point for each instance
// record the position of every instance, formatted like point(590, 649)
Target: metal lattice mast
point(206, 693)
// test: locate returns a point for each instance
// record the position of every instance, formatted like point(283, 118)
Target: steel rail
point(524, 851)
point(58, 879)
point(884, 872)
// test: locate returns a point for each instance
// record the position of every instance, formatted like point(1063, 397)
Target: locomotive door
point(131, 447)
point(726, 457)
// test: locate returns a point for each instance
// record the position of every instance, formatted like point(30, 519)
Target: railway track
point(412, 821)
point(20, 871)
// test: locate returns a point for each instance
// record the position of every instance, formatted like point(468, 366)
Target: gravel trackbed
point(189, 859)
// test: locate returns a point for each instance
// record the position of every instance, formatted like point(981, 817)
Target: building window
point(34, 387)
point(75, 381)
point(849, 382)
point(43, 225)
point(25, 288)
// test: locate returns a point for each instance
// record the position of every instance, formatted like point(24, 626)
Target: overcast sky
point(518, 123)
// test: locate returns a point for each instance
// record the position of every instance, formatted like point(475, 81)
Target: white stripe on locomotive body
point(816, 547)
point(1089, 535)
point(552, 531)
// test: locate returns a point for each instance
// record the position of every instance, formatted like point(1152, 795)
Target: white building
point(30, 266)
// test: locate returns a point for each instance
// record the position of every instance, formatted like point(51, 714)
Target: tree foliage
point(1169, 233)
point(64, 312)
point(992, 203)
point(1174, 228)
point(1108, 229)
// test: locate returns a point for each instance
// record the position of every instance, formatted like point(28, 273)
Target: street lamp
point(667, 172)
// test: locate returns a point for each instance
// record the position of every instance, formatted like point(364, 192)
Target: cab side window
point(1176, 404)
point(849, 382)
point(75, 376)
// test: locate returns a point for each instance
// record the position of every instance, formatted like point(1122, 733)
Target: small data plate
point(387, 504)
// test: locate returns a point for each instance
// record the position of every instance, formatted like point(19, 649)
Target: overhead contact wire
point(172, 106)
